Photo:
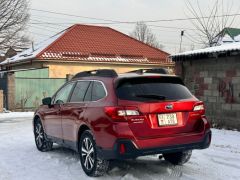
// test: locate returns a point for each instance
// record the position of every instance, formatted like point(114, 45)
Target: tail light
point(121, 113)
point(199, 108)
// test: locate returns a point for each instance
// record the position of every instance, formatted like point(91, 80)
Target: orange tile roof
point(97, 43)
point(93, 44)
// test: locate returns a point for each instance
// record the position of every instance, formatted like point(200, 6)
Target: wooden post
point(1, 101)
point(11, 91)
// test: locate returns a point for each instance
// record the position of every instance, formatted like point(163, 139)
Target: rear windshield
point(152, 89)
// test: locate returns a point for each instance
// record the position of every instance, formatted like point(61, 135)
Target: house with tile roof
point(85, 47)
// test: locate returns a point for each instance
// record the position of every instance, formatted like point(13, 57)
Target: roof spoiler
point(99, 72)
point(154, 71)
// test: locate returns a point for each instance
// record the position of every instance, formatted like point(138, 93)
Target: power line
point(42, 28)
point(133, 22)
point(44, 22)
point(51, 24)
point(72, 15)
point(40, 22)
point(40, 34)
point(192, 39)
point(172, 27)
point(69, 23)
point(35, 22)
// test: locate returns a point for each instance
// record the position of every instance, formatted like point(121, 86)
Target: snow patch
point(222, 48)
point(237, 38)
point(15, 115)
point(20, 160)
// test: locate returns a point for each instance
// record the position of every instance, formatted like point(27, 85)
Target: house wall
point(60, 70)
point(27, 65)
point(217, 83)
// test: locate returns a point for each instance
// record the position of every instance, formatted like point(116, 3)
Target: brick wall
point(1, 101)
point(217, 83)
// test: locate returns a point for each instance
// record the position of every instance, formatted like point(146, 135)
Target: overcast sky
point(121, 10)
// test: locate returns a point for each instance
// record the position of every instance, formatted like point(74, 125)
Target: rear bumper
point(131, 151)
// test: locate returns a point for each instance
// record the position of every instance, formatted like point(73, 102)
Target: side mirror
point(47, 101)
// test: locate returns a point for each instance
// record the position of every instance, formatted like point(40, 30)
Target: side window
point(63, 94)
point(88, 96)
point(98, 91)
point(79, 91)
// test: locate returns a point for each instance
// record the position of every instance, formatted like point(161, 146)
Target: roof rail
point(154, 71)
point(98, 72)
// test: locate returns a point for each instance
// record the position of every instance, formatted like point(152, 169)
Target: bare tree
point(25, 97)
point(144, 34)
point(210, 26)
point(13, 20)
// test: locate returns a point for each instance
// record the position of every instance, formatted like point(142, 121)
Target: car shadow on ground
point(136, 167)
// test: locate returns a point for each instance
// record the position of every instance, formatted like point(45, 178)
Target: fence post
point(11, 91)
point(1, 101)
point(69, 77)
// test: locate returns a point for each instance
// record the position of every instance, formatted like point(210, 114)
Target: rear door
point(164, 104)
point(73, 111)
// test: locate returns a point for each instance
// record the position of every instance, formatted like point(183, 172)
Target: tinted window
point(88, 96)
point(63, 94)
point(149, 89)
point(79, 91)
point(98, 91)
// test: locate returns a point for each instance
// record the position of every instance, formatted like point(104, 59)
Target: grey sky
point(120, 10)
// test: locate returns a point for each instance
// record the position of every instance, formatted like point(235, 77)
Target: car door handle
point(80, 111)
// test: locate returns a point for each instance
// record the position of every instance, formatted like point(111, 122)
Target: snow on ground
point(20, 160)
point(15, 115)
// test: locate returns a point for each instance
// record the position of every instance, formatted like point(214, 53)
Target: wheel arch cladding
point(81, 130)
point(36, 118)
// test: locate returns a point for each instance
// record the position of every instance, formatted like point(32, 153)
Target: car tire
point(178, 158)
point(92, 164)
point(43, 144)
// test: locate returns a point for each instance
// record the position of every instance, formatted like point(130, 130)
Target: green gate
point(33, 85)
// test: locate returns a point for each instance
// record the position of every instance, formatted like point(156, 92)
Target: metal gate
point(29, 92)
point(32, 86)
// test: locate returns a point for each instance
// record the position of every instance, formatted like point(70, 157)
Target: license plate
point(167, 119)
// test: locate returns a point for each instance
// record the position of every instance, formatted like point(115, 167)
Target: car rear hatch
point(164, 105)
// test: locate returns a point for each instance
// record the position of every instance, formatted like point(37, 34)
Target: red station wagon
point(104, 116)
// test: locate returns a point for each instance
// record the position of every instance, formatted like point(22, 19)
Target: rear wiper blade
point(151, 96)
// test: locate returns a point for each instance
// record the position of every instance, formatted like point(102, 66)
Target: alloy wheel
point(39, 134)
point(87, 153)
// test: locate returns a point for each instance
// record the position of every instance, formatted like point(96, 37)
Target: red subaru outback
point(105, 116)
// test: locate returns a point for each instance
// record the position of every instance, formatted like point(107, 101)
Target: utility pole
point(33, 47)
point(182, 34)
